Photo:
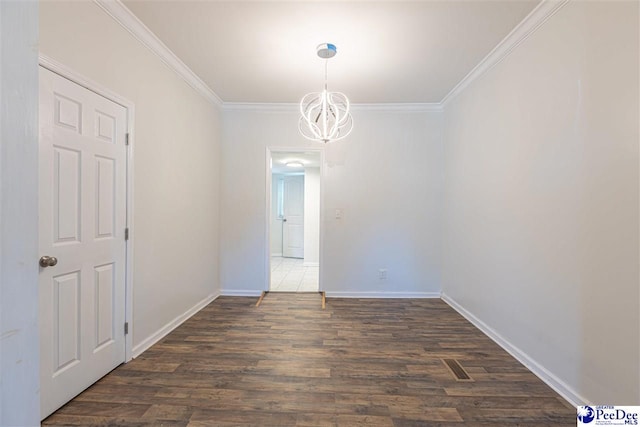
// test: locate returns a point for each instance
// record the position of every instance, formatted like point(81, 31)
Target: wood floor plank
point(363, 420)
point(163, 412)
point(288, 362)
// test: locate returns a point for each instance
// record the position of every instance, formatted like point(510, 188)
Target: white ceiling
point(388, 51)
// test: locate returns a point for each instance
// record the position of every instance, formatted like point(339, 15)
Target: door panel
point(105, 197)
point(66, 197)
point(66, 306)
point(104, 295)
point(293, 227)
point(82, 209)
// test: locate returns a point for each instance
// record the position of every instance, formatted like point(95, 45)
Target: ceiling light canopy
point(325, 115)
point(294, 164)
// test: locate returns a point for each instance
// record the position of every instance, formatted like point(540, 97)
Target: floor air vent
point(458, 371)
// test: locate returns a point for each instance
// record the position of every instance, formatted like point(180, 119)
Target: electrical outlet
point(382, 274)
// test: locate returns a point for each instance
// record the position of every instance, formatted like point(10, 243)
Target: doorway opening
point(294, 220)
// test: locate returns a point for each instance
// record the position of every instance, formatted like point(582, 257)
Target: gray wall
point(386, 177)
point(541, 201)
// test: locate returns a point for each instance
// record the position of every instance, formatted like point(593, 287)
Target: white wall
point(276, 223)
point(541, 201)
point(19, 343)
point(388, 184)
point(176, 152)
point(311, 216)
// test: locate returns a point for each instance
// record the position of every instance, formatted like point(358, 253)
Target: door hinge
point(126, 328)
point(126, 139)
point(126, 233)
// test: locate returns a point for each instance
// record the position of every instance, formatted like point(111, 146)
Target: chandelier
point(325, 115)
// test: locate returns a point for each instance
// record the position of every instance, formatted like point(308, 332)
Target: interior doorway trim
point(267, 248)
point(69, 74)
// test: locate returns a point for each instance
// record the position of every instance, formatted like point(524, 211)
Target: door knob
point(48, 261)
point(284, 220)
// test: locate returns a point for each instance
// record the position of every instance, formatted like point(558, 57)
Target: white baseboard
point(560, 387)
point(166, 329)
point(278, 254)
point(311, 264)
point(241, 293)
point(340, 294)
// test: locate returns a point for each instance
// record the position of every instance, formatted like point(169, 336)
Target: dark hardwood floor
point(290, 363)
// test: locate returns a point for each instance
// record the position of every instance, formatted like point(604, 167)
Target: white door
point(82, 208)
point(293, 218)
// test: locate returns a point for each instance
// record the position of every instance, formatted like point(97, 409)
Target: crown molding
point(538, 16)
point(426, 107)
point(289, 107)
point(122, 15)
point(284, 107)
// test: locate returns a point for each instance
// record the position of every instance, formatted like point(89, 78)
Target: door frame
point(267, 248)
point(70, 74)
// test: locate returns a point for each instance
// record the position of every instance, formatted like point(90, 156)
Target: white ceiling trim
point(261, 106)
point(538, 16)
point(288, 107)
point(426, 107)
point(121, 14)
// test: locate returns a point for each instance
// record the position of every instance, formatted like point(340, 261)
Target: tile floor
point(290, 275)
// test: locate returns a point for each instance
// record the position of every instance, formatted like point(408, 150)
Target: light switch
point(338, 213)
